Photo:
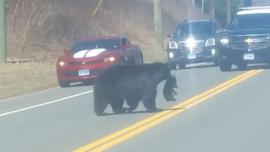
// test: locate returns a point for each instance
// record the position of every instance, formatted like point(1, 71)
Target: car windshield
point(109, 44)
point(196, 28)
point(251, 21)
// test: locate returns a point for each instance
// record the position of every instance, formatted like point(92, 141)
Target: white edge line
point(25, 95)
point(44, 104)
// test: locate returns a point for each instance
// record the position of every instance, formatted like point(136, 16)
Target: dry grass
point(22, 78)
point(39, 30)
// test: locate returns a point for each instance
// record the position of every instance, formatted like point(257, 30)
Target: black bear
point(132, 83)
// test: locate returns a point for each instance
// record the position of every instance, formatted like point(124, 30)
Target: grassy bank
point(21, 78)
point(38, 31)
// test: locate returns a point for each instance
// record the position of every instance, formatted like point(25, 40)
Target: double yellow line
point(139, 127)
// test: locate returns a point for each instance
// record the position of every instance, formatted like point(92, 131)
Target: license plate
point(191, 56)
point(83, 72)
point(249, 56)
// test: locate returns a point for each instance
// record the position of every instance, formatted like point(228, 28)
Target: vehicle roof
point(198, 21)
point(254, 10)
point(85, 39)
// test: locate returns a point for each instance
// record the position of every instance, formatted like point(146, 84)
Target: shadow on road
point(198, 66)
point(251, 67)
point(144, 111)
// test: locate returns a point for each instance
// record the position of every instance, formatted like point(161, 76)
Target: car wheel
point(63, 84)
point(140, 59)
point(241, 66)
point(172, 66)
point(225, 65)
point(122, 61)
point(216, 63)
point(181, 65)
point(89, 82)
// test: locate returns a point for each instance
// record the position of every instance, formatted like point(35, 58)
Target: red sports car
point(87, 58)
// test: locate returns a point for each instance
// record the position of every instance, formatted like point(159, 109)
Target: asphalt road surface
point(214, 111)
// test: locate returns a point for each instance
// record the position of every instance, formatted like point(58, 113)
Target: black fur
point(132, 83)
point(168, 90)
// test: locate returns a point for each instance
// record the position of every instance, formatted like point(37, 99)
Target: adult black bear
point(132, 83)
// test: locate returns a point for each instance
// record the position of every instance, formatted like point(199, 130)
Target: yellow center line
point(139, 127)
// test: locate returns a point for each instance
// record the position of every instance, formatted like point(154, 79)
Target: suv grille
point(75, 63)
point(197, 49)
point(257, 42)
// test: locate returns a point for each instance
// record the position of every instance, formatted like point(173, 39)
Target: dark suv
point(246, 40)
point(193, 41)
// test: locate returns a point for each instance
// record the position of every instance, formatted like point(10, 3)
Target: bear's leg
point(99, 105)
point(149, 100)
point(117, 104)
point(133, 102)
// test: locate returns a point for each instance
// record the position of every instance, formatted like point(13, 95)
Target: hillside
point(39, 30)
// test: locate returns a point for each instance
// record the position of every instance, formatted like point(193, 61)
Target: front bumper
point(247, 56)
point(80, 73)
point(207, 54)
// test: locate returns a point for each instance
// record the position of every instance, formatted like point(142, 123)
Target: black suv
point(246, 40)
point(193, 41)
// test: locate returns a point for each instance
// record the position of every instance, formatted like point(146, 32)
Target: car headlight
point(109, 59)
point(249, 40)
point(213, 51)
point(190, 43)
point(210, 42)
point(171, 55)
point(61, 63)
point(224, 41)
point(173, 45)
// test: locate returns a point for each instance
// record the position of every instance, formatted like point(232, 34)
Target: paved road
point(62, 120)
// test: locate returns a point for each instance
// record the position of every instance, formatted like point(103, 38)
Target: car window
point(251, 21)
point(194, 29)
point(109, 44)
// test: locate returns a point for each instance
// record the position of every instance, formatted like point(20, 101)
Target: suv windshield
point(194, 28)
point(251, 21)
point(95, 44)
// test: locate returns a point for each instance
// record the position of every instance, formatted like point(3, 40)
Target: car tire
point(88, 83)
point(181, 65)
point(225, 66)
point(171, 66)
point(122, 61)
point(140, 59)
point(216, 63)
point(177, 66)
point(63, 84)
point(241, 66)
